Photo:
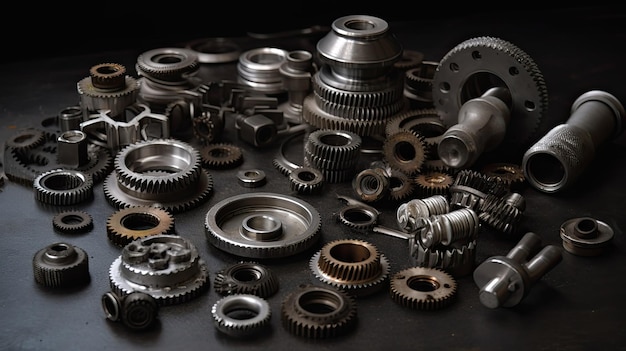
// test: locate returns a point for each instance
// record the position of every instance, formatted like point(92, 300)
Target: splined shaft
point(556, 161)
point(409, 214)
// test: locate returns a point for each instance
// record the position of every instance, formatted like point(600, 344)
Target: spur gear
point(221, 156)
point(60, 265)
point(352, 265)
point(136, 222)
point(423, 288)
point(241, 315)
point(405, 151)
point(318, 312)
point(72, 222)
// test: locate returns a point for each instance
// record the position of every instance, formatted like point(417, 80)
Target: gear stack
point(358, 87)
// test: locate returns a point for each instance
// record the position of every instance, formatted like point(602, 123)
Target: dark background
point(579, 305)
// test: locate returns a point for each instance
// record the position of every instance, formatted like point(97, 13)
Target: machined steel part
point(136, 222)
point(586, 236)
point(470, 188)
point(137, 310)
point(511, 174)
point(115, 135)
point(334, 152)
point(62, 187)
point(478, 64)
point(457, 225)
point(165, 173)
point(72, 222)
point(296, 73)
point(504, 281)
point(406, 151)
point(358, 86)
point(61, 265)
point(35, 151)
point(259, 68)
point(107, 88)
point(410, 215)
point(352, 265)
point(418, 84)
point(502, 213)
point(168, 267)
point(241, 315)
point(251, 178)
point(306, 180)
point(458, 259)
point(425, 122)
point(246, 278)
point(410, 59)
point(401, 186)
point(316, 312)
point(431, 182)
point(262, 225)
point(371, 184)
point(221, 155)
point(559, 158)
point(423, 288)
point(214, 50)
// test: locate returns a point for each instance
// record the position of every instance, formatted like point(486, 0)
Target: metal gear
point(26, 139)
point(401, 186)
point(107, 88)
point(168, 267)
point(62, 187)
point(431, 183)
point(405, 151)
point(221, 156)
point(511, 174)
point(423, 288)
point(61, 265)
point(502, 213)
point(168, 65)
point(136, 222)
point(318, 312)
point(457, 259)
point(262, 225)
point(352, 265)
point(246, 278)
point(461, 76)
point(306, 180)
point(241, 315)
point(72, 222)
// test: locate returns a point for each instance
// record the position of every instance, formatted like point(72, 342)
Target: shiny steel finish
point(262, 225)
point(63, 187)
point(61, 265)
point(241, 315)
point(586, 236)
point(168, 267)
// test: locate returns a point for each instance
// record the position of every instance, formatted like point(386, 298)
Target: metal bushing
point(260, 69)
point(72, 149)
point(586, 236)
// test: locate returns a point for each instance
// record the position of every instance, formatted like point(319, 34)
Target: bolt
point(557, 160)
point(449, 227)
point(410, 214)
point(482, 124)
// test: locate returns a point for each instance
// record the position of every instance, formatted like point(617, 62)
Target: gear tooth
point(440, 288)
point(61, 265)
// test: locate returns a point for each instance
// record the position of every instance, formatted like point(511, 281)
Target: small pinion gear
point(423, 288)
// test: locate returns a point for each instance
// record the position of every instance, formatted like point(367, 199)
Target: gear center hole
point(423, 283)
point(350, 253)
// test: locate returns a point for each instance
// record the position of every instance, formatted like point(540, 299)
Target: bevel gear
point(136, 222)
point(423, 288)
point(352, 265)
point(316, 312)
point(246, 278)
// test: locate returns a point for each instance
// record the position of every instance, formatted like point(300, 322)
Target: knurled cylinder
point(558, 159)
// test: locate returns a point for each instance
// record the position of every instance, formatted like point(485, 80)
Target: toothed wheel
point(132, 223)
point(72, 222)
point(405, 151)
point(221, 156)
point(423, 288)
point(431, 183)
point(478, 64)
point(61, 265)
point(246, 278)
point(306, 180)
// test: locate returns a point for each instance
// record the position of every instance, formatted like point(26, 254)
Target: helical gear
point(72, 222)
point(352, 265)
point(300, 317)
point(246, 278)
point(457, 259)
point(61, 265)
point(423, 288)
point(502, 213)
point(168, 267)
point(470, 187)
point(136, 222)
point(165, 173)
point(241, 315)
point(63, 187)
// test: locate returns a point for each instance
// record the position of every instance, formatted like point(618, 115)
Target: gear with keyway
point(479, 64)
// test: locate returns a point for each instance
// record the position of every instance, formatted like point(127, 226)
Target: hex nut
point(258, 130)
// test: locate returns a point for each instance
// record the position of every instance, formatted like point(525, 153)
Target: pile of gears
point(153, 141)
